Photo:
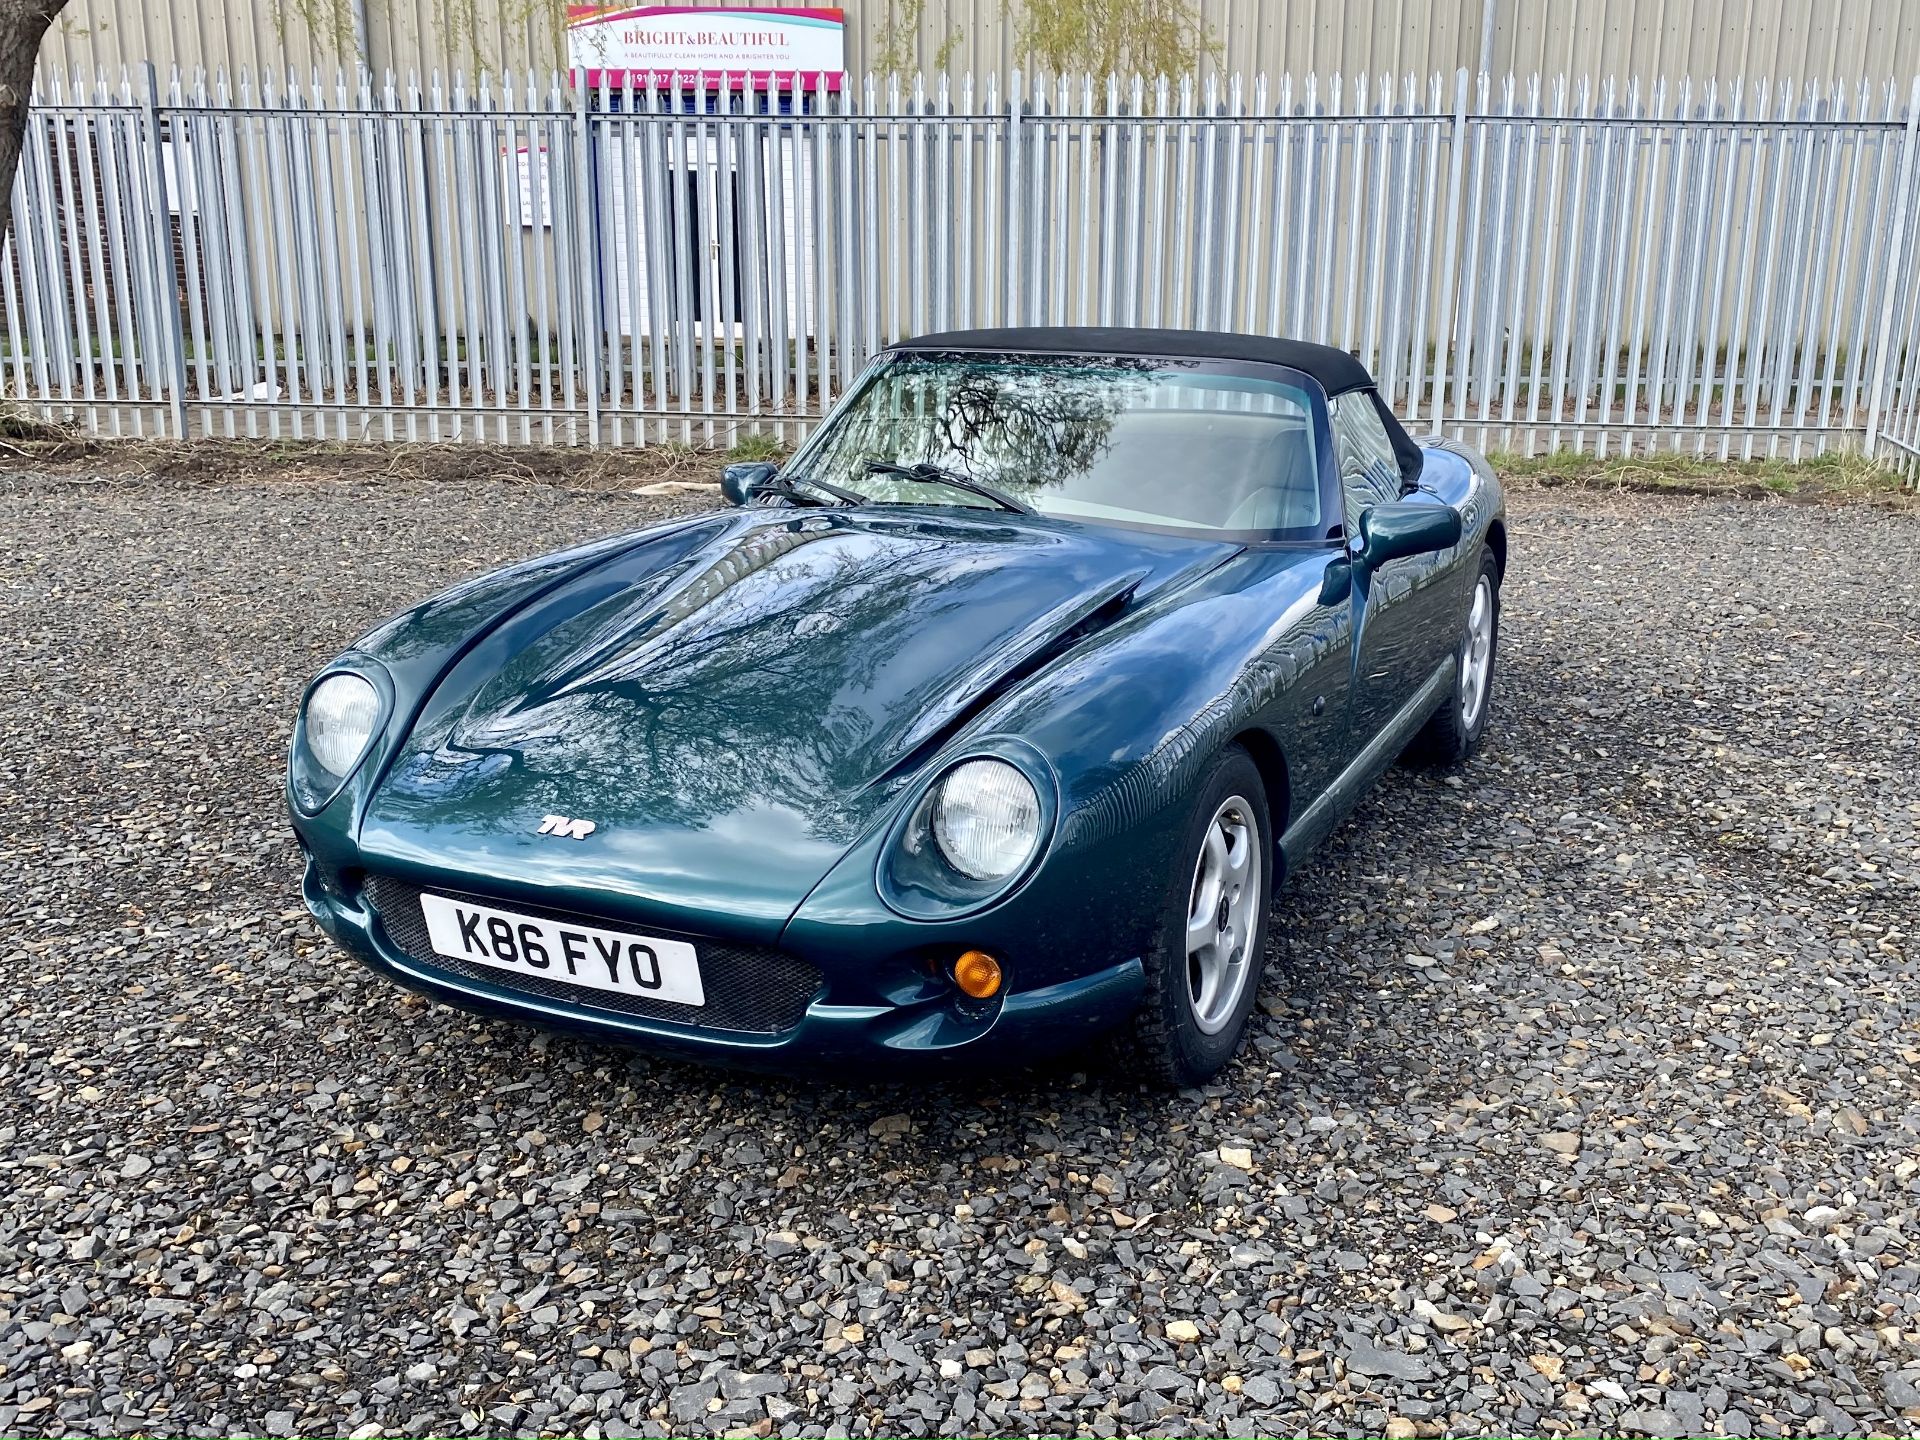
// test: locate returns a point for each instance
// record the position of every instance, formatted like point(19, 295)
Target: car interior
point(1216, 469)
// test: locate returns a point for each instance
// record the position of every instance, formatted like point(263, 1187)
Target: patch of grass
point(613, 469)
point(30, 444)
point(1837, 475)
point(756, 445)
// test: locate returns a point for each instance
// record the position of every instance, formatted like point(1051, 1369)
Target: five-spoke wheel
point(1204, 969)
point(1225, 899)
point(1461, 719)
point(1476, 655)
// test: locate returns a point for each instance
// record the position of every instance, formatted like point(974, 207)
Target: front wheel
point(1456, 727)
point(1204, 972)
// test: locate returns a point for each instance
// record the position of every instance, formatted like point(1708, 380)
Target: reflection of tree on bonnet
point(650, 691)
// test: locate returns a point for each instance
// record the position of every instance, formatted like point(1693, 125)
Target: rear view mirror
point(1390, 532)
point(738, 482)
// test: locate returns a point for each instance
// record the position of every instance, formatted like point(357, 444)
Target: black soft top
point(1336, 370)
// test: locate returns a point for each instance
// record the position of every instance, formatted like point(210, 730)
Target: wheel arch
point(1271, 761)
point(1497, 542)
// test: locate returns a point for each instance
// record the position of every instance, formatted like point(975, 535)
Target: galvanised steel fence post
point(1896, 257)
point(1445, 322)
point(166, 293)
point(592, 329)
point(1010, 270)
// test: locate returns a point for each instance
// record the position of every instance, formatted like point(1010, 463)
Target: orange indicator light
point(977, 974)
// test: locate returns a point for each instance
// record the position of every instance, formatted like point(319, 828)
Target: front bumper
point(923, 1027)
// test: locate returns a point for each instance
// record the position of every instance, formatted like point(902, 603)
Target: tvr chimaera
point(990, 721)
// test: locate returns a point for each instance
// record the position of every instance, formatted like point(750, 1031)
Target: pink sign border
point(679, 80)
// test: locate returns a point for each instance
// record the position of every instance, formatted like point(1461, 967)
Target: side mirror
point(738, 482)
point(1390, 532)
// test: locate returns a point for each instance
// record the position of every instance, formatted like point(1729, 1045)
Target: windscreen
point(1162, 444)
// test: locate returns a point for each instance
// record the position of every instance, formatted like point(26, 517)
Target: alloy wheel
point(1476, 664)
point(1222, 908)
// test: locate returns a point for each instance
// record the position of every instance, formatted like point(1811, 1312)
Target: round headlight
point(986, 819)
point(341, 714)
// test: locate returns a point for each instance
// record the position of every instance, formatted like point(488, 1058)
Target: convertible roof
point(1337, 371)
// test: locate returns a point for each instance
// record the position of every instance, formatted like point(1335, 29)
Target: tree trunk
point(22, 23)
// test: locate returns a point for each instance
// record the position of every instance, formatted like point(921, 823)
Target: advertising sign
point(739, 45)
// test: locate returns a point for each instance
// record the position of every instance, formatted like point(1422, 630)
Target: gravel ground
point(1583, 1098)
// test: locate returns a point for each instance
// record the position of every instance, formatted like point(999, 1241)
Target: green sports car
point(989, 723)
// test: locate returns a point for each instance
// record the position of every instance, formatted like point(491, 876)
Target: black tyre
point(1204, 971)
point(1456, 727)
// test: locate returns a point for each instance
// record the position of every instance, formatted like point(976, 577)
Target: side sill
point(1316, 822)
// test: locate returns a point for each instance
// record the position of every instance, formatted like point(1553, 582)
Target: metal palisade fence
point(1528, 265)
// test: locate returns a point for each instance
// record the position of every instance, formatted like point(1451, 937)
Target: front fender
point(417, 647)
point(1127, 720)
point(1130, 721)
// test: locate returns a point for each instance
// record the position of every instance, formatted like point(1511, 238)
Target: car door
point(1391, 644)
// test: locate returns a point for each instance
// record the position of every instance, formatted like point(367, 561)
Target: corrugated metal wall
point(1799, 40)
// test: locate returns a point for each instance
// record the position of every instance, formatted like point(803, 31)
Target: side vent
point(1043, 642)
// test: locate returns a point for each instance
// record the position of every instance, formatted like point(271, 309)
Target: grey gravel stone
point(1365, 1359)
point(1651, 1422)
point(1670, 911)
point(1261, 1391)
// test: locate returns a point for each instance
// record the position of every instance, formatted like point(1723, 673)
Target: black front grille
point(749, 988)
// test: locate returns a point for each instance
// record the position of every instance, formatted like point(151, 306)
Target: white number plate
point(610, 960)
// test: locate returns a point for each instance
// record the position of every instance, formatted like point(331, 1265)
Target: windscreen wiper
point(783, 485)
point(928, 474)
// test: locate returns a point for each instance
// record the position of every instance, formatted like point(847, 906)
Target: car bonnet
point(731, 721)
